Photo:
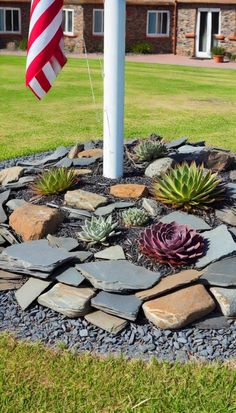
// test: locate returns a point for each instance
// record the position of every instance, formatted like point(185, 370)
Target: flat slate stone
point(159, 166)
point(179, 308)
point(12, 174)
point(226, 299)
point(85, 161)
point(30, 291)
point(21, 183)
point(70, 276)
point(15, 203)
point(187, 219)
point(115, 252)
point(10, 284)
point(231, 189)
point(34, 255)
point(191, 149)
point(64, 163)
point(124, 306)
point(67, 300)
point(6, 275)
point(106, 322)
point(3, 198)
point(220, 244)
point(213, 321)
point(68, 243)
point(227, 215)
point(177, 143)
point(221, 273)
point(55, 156)
point(118, 276)
point(82, 255)
point(108, 209)
point(171, 282)
point(8, 235)
point(2, 240)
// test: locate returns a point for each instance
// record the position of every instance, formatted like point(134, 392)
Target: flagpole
point(113, 99)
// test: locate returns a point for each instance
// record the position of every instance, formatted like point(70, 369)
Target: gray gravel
point(141, 340)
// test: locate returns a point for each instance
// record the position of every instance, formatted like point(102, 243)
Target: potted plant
point(218, 54)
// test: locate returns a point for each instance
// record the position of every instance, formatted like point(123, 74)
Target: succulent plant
point(133, 217)
point(54, 181)
point(149, 150)
point(171, 243)
point(188, 187)
point(97, 230)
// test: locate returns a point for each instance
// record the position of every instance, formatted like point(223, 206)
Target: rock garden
point(144, 266)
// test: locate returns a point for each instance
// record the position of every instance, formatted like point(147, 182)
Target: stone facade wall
point(12, 37)
point(136, 27)
point(187, 20)
point(74, 43)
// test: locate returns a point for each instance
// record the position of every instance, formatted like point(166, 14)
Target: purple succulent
point(172, 244)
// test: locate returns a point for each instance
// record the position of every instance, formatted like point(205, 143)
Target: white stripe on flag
point(55, 65)
point(42, 41)
point(35, 86)
point(49, 73)
point(41, 7)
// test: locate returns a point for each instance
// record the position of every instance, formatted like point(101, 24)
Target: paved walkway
point(169, 59)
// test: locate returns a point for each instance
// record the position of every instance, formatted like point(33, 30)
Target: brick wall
point(136, 22)
point(75, 43)
point(11, 37)
point(187, 19)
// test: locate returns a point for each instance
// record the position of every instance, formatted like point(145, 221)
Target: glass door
point(208, 25)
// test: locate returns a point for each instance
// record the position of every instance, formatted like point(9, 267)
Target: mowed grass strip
point(34, 379)
point(170, 100)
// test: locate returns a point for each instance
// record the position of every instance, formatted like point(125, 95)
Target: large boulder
point(33, 222)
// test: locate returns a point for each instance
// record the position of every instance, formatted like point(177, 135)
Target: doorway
point(208, 25)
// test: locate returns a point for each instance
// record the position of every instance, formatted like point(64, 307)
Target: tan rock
point(10, 175)
point(169, 283)
point(128, 191)
point(82, 171)
point(67, 300)
point(84, 199)
point(90, 153)
point(179, 308)
point(220, 161)
point(75, 151)
point(34, 222)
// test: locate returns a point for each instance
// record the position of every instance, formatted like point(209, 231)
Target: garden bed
point(208, 331)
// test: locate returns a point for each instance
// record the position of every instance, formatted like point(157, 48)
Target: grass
point(37, 380)
point(170, 100)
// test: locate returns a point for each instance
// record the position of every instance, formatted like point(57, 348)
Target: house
point(171, 26)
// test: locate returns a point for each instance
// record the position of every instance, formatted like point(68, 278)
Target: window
point(68, 21)
point(158, 23)
point(98, 21)
point(9, 20)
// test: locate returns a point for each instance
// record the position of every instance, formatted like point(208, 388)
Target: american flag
point(45, 57)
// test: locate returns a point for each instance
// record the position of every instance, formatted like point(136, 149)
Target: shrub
point(134, 217)
point(149, 150)
point(218, 51)
point(142, 48)
point(23, 44)
point(54, 181)
point(97, 230)
point(172, 244)
point(188, 187)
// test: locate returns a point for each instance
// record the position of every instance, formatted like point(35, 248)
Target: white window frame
point(98, 33)
point(168, 23)
point(73, 13)
point(4, 20)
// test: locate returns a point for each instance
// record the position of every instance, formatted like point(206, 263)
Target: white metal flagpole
point(113, 104)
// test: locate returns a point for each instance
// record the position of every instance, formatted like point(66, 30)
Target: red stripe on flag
point(43, 22)
point(43, 81)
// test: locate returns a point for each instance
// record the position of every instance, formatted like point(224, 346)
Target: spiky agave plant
point(133, 217)
point(54, 181)
point(149, 150)
point(188, 187)
point(97, 230)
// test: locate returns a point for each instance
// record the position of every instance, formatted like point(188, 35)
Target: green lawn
point(170, 100)
point(36, 380)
